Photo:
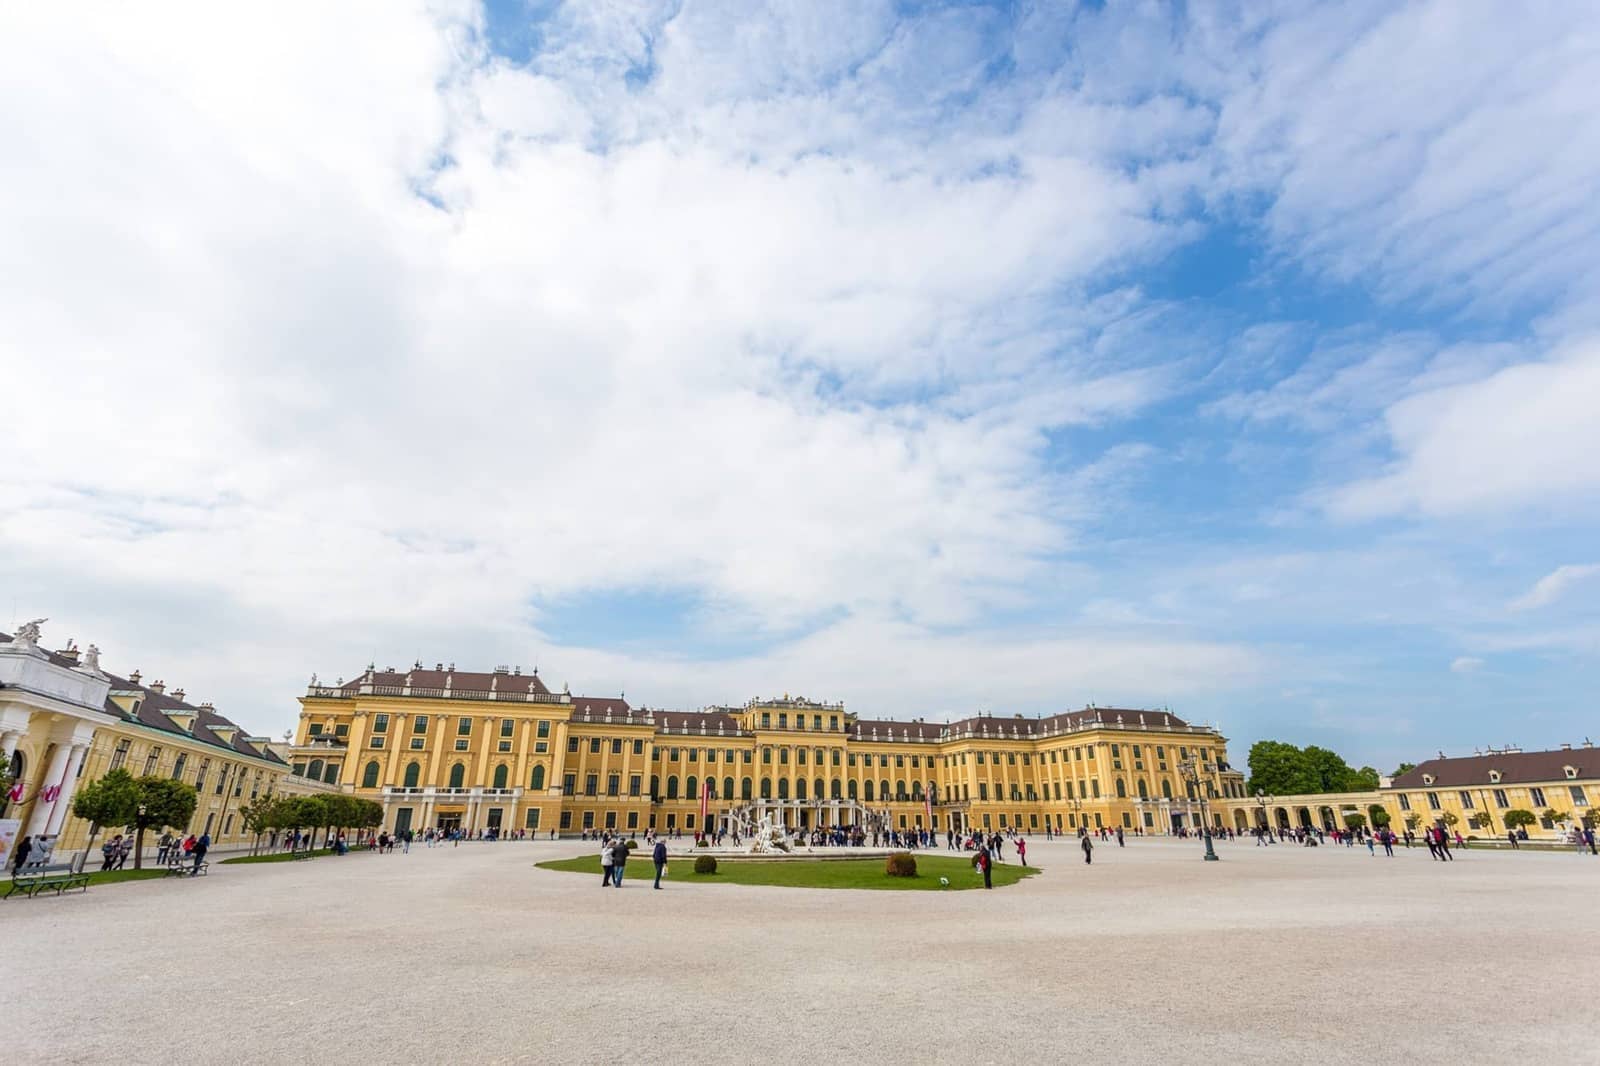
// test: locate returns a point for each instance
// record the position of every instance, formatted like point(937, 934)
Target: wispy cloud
point(1553, 586)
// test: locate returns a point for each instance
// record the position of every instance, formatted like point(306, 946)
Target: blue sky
point(932, 357)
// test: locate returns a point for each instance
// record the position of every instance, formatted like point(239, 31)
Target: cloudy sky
point(932, 357)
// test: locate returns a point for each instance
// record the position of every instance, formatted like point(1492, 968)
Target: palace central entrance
point(449, 821)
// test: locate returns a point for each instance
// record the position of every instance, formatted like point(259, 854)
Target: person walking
point(607, 857)
point(1022, 851)
point(985, 867)
point(19, 858)
point(1588, 838)
point(658, 855)
point(619, 859)
point(164, 845)
point(1088, 850)
point(201, 846)
point(1511, 835)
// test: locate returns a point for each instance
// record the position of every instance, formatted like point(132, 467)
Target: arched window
point(800, 787)
point(868, 791)
point(500, 776)
point(537, 781)
point(330, 774)
point(783, 788)
point(672, 786)
point(177, 767)
point(852, 788)
point(883, 790)
point(655, 786)
point(412, 770)
point(900, 789)
point(916, 790)
point(833, 789)
point(1122, 789)
point(314, 771)
point(746, 789)
point(691, 790)
point(818, 789)
point(1166, 789)
point(766, 788)
point(727, 788)
point(458, 774)
point(1144, 793)
point(369, 776)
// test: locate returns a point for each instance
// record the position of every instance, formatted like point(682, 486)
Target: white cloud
point(1554, 585)
point(1524, 437)
point(1466, 664)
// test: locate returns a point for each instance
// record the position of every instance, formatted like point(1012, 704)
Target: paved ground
point(1274, 955)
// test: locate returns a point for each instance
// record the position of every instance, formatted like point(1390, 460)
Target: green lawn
point(101, 877)
point(800, 873)
point(278, 856)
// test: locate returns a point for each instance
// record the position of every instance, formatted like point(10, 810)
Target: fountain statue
point(768, 836)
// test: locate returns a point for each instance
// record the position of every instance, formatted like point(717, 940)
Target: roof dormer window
point(1427, 779)
point(1571, 772)
point(1494, 776)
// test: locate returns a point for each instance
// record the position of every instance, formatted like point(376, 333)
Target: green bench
point(38, 877)
point(184, 867)
point(302, 853)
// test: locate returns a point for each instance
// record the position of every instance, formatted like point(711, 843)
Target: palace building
point(444, 748)
point(64, 721)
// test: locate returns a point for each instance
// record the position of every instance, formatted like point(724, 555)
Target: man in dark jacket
point(1088, 849)
point(658, 855)
point(201, 846)
point(619, 859)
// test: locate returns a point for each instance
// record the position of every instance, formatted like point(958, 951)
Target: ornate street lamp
point(1192, 769)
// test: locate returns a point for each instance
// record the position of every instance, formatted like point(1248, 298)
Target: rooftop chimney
point(158, 686)
point(134, 677)
point(70, 652)
point(177, 694)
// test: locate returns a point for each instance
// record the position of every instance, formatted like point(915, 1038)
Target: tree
point(1405, 767)
point(1362, 780)
point(1481, 820)
point(1355, 820)
point(112, 800)
point(1450, 818)
point(1517, 818)
point(1280, 769)
point(304, 812)
point(259, 815)
point(1413, 820)
point(161, 802)
point(1553, 817)
point(1379, 816)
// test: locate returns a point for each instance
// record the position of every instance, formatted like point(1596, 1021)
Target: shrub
point(631, 844)
point(705, 864)
point(702, 843)
point(900, 864)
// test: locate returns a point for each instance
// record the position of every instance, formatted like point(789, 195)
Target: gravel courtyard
point(469, 954)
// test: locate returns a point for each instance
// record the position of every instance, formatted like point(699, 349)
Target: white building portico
point(48, 714)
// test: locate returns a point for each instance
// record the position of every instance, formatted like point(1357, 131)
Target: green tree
point(1481, 820)
point(1553, 817)
point(1518, 818)
point(1379, 816)
point(1450, 818)
point(161, 802)
point(304, 812)
point(1362, 780)
point(1329, 771)
point(1279, 769)
point(1405, 767)
point(1355, 820)
point(1413, 820)
point(112, 800)
point(259, 816)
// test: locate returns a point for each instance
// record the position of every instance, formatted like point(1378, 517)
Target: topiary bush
point(702, 843)
point(705, 864)
point(900, 864)
point(631, 844)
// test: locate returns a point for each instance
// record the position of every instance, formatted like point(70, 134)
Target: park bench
point(36, 878)
point(303, 853)
point(183, 867)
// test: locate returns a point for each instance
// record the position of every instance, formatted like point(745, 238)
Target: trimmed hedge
point(705, 864)
point(900, 864)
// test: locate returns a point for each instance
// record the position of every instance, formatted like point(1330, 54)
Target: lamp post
point(1192, 769)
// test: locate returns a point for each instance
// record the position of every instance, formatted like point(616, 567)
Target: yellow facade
point(442, 748)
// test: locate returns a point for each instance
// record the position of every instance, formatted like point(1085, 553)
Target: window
point(783, 756)
point(544, 729)
point(375, 742)
point(1537, 796)
point(380, 723)
point(694, 754)
point(1578, 798)
point(419, 724)
point(1466, 799)
point(635, 782)
point(155, 756)
point(500, 776)
point(120, 756)
point(416, 743)
point(591, 784)
point(329, 776)
point(504, 747)
point(638, 749)
point(315, 729)
point(314, 771)
point(369, 776)
point(178, 765)
point(1405, 802)
point(672, 754)
point(727, 788)
point(594, 745)
point(745, 789)
point(412, 772)
point(800, 756)
point(569, 785)
point(342, 730)
point(566, 820)
point(783, 721)
point(541, 747)
point(616, 746)
point(507, 727)
point(200, 778)
point(613, 784)
point(458, 775)
point(463, 727)
point(572, 745)
point(983, 793)
point(533, 818)
point(462, 745)
point(672, 786)
point(537, 780)
point(691, 788)
point(1433, 801)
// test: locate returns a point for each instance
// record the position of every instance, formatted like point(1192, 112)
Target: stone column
point(51, 777)
point(69, 788)
point(8, 744)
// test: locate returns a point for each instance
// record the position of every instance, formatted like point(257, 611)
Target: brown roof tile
point(1515, 768)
